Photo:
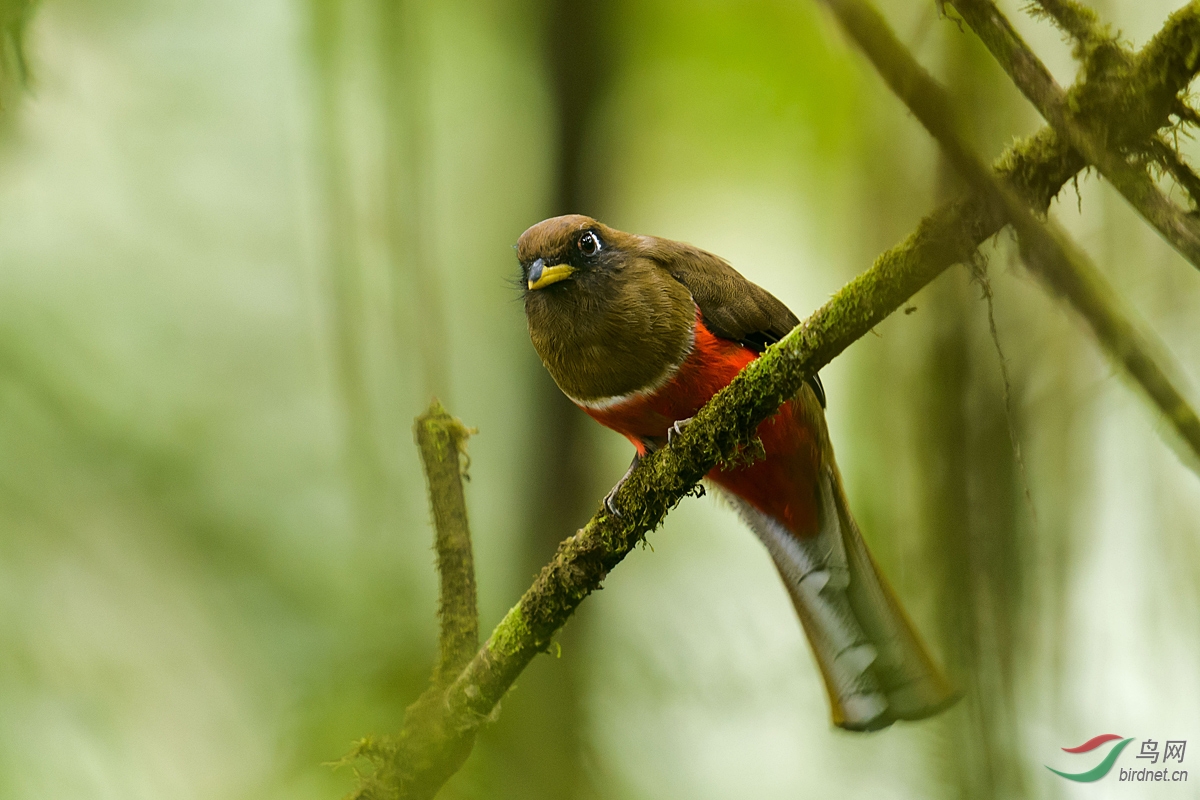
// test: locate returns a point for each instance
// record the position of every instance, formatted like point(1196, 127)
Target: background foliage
point(242, 243)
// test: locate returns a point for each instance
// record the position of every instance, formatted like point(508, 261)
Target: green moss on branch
point(1076, 20)
point(1079, 118)
point(442, 440)
point(1047, 250)
point(431, 747)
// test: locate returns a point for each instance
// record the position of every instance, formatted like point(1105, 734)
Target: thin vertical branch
point(431, 747)
point(442, 440)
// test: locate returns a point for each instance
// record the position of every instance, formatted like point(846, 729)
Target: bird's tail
point(876, 668)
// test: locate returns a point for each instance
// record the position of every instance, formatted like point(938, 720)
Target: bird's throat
point(609, 341)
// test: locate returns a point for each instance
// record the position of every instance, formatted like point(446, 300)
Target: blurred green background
point(243, 243)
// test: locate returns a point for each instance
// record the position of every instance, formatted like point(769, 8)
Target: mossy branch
point(427, 751)
point(1075, 121)
point(1047, 249)
point(1035, 168)
point(442, 440)
point(1075, 19)
point(1171, 160)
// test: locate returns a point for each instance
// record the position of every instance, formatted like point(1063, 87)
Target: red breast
point(783, 485)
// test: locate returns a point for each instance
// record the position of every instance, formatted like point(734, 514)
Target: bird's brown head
point(604, 314)
point(571, 248)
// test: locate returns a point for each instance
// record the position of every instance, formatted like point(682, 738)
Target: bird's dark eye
point(589, 244)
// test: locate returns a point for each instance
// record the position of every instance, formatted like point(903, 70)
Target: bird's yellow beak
point(541, 276)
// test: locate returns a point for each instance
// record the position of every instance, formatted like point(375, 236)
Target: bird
point(639, 332)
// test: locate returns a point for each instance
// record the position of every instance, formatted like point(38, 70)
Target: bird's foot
point(677, 427)
point(608, 498)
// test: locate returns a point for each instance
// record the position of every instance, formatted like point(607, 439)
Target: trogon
point(640, 332)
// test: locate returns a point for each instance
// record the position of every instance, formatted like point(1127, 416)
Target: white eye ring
point(589, 244)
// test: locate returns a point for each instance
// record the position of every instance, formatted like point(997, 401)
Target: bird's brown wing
point(732, 307)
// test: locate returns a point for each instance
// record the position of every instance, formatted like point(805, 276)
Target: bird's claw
point(608, 500)
point(609, 506)
point(676, 428)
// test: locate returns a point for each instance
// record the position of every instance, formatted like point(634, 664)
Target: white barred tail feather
point(915, 685)
point(875, 667)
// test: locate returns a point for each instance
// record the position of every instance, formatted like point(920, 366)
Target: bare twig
point(1047, 250)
